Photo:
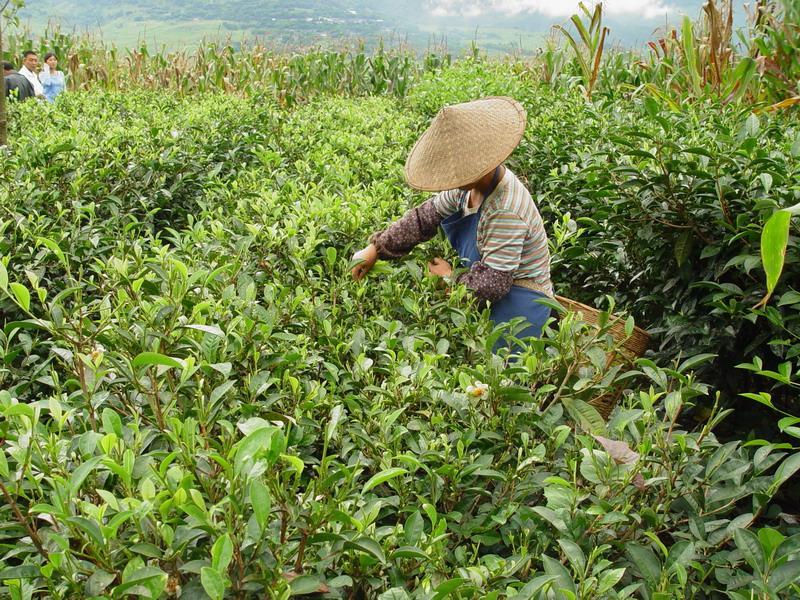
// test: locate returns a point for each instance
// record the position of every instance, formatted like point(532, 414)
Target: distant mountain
point(521, 25)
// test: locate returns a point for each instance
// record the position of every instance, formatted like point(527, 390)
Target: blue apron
point(462, 233)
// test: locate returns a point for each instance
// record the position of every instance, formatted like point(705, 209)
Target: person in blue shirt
point(52, 79)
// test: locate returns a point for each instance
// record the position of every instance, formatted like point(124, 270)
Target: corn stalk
point(701, 62)
point(589, 45)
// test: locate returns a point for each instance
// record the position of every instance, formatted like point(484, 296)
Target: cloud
point(646, 9)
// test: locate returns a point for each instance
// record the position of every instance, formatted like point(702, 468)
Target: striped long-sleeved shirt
point(511, 235)
point(524, 257)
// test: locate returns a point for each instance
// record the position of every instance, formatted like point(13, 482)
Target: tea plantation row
point(198, 401)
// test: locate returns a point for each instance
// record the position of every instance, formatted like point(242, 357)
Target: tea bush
point(198, 401)
point(665, 212)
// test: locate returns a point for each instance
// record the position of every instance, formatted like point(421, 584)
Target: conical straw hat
point(465, 142)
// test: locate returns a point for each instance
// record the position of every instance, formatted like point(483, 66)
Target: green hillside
point(306, 22)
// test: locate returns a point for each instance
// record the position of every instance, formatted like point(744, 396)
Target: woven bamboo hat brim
point(465, 142)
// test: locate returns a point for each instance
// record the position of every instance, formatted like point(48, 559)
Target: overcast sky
point(647, 9)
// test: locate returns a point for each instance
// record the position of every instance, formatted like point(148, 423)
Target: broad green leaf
point(54, 248)
point(383, 477)
point(409, 552)
point(213, 583)
point(80, 474)
point(253, 446)
point(690, 56)
point(367, 546)
point(446, 588)
point(20, 409)
point(563, 578)
point(261, 503)
point(770, 540)
point(98, 582)
point(112, 422)
point(534, 587)
point(222, 553)
point(21, 294)
point(20, 572)
point(750, 547)
point(785, 575)
point(585, 414)
point(787, 468)
point(209, 329)
point(609, 579)
point(336, 415)
point(413, 528)
point(147, 579)
point(148, 359)
point(680, 554)
point(574, 554)
point(3, 277)
point(306, 584)
point(695, 361)
point(774, 239)
point(645, 561)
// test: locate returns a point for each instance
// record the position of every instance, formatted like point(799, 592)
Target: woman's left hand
point(440, 268)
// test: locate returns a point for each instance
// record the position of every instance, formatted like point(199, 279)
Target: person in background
point(52, 79)
point(17, 86)
point(485, 211)
point(30, 64)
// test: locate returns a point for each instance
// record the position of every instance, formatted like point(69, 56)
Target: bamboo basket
point(630, 347)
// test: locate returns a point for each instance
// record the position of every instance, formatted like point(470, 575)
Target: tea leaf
point(563, 580)
point(446, 588)
point(22, 295)
point(586, 415)
point(261, 503)
point(148, 359)
point(683, 247)
point(307, 584)
point(645, 561)
point(222, 553)
point(749, 546)
point(785, 575)
point(383, 477)
point(213, 583)
point(367, 546)
point(336, 414)
point(80, 474)
point(147, 581)
point(609, 579)
point(774, 238)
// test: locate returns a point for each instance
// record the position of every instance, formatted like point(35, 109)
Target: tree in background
point(8, 14)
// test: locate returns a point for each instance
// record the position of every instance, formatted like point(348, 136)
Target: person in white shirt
point(30, 64)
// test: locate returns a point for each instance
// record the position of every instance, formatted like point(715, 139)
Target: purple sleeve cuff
point(417, 225)
point(486, 283)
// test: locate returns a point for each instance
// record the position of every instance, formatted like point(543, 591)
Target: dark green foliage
point(664, 210)
point(197, 399)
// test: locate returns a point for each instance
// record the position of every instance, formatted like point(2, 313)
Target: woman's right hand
point(369, 256)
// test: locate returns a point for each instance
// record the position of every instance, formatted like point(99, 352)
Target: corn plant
point(774, 39)
point(588, 45)
point(699, 61)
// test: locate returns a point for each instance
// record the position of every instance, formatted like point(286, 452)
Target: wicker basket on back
point(630, 348)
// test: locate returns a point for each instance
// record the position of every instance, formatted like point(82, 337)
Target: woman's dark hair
point(48, 55)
